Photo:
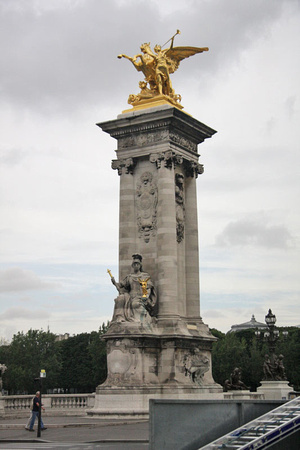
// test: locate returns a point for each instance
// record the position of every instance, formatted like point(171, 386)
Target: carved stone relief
point(180, 206)
point(168, 159)
point(146, 202)
point(183, 142)
point(193, 169)
point(123, 165)
point(195, 365)
point(140, 140)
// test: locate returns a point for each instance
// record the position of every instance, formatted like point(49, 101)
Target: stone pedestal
point(157, 162)
point(275, 390)
point(243, 395)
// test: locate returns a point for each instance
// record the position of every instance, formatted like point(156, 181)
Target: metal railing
point(262, 432)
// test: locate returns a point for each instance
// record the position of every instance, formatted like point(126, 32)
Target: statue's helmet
point(137, 258)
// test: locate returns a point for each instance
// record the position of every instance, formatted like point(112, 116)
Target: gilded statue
point(157, 66)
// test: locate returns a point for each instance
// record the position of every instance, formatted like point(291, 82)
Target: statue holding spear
point(157, 66)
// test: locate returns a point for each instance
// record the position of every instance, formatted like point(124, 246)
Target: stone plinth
point(134, 402)
point(243, 395)
point(275, 390)
point(170, 353)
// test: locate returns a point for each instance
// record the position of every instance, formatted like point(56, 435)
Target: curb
point(100, 441)
point(20, 426)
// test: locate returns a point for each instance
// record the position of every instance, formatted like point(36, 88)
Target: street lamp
point(40, 381)
point(273, 365)
point(270, 319)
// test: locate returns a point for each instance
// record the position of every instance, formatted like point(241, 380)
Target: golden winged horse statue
point(157, 67)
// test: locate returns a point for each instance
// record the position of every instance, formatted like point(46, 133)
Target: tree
point(290, 348)
point(83, 361)
point(244, 350)
point(97, 349)
point(26, 356)
point(229, 352)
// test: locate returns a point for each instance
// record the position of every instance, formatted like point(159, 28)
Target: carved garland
point(180, 206)
point(146, 202)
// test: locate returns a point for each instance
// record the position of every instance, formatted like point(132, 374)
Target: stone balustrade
point(58, 404)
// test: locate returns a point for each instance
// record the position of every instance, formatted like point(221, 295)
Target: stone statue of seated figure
point(137, 296)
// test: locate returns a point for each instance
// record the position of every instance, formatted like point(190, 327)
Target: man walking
point(35, 411)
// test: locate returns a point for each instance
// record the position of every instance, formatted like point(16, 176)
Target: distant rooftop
point(62, 337)
point(246, 325)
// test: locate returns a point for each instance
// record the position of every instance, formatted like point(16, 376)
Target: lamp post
point(273, 366)
point(40, 381)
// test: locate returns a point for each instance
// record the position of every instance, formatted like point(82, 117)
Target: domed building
point(246, 325)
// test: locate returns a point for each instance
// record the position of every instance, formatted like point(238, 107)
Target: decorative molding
point(142, 139)
point(180, 206)
point(141, 128)
point(123, 165)
point(187, 144)
point(146, 202)
point(169, 159)
point(193, 169)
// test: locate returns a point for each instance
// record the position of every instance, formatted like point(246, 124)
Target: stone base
point(158, 100)
point(243, 395)
point(154, 361)
point(134, 402)
point(275, 390)
point(145, 366)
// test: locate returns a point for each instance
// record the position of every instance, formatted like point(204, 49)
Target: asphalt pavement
point(76, 433)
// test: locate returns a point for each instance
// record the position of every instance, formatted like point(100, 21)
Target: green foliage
point(290, 348)
point(26, 356)
point(228, 353)
point(77, 363)
point(83, 362)
point(218, 334)
point(242, 349)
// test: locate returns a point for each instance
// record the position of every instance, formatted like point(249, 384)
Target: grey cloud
point(60, 58)
point(290, 106)
point(212, 313)
point(255, 233)
point(17, 279)
point(22, 313)
point(12, 156)
point(66, 55)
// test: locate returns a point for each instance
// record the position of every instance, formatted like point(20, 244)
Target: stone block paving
point(76, 432)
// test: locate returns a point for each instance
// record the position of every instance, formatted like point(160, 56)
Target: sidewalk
point(82, 429)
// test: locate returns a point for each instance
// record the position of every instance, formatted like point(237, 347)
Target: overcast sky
point(59, 197)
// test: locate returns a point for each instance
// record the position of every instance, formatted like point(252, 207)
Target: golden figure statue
point(143, 284)
point(157, 67)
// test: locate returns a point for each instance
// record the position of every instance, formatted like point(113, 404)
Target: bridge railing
point(65, 404)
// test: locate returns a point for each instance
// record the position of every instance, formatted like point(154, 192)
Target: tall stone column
point(166, 351)
point(127, 220)
point(167, 246)
point(191, 250)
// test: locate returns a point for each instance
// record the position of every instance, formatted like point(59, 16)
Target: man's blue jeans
point(34, 415)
